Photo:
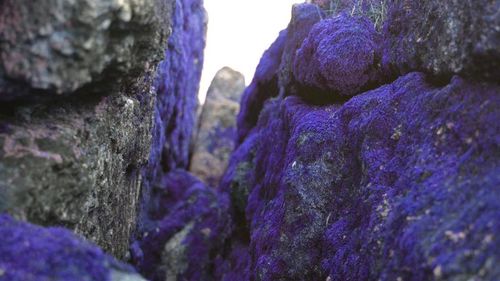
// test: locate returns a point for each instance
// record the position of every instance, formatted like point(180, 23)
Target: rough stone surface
point(444, 38)
point(88, 161)
point(216, 134)
point(187, 225)
point(389, 182)
point(57, 47)
point(340, 57)
point(77, 163)
point(33, 253)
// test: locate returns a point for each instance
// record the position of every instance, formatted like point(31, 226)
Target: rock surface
point(55, 47)
point(77, 164)
point(87, 160)
point(394, 178)
point(215, 137)
point(174, 116)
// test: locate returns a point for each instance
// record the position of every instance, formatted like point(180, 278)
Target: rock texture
point(176, 87)
point(87, 159)
point(33, 253)
point(77, 164)
point(340, 56)
point(55, 47)
point(215, 137)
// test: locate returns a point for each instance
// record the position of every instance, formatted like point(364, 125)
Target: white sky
point(239, 31)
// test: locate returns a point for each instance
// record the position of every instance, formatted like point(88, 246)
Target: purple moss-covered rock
point(33, 253)
point(339, 58)
point(263, 86)
point(178, 83)
point(304, 16)
point(185, 229)
point(399, 182)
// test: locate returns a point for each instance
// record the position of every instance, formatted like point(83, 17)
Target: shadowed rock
point(186, 226)
point(264, 86)
point(215, 138)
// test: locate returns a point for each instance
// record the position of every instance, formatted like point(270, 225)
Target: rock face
point(395, 183)
point(214, 140)
point(57, 47)
point(33, 253)
point(86, 160)
point(176, 86)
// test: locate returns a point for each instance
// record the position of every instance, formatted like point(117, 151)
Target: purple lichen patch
point(33, 253)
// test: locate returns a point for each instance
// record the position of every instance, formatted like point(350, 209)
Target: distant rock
point(215, 139)
point(33, 253)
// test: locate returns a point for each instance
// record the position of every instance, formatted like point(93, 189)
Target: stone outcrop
point(215, 138)
point(82, 138)
point(444, 38)
point(395, 183)
point(55, 47)
point(340, 56)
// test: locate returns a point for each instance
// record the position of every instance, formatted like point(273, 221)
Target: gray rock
point(216, 133)
point(60, 46)
point(78, 165)
point(78, 161)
